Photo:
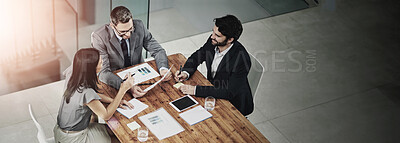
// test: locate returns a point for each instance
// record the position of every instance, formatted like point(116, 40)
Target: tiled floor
point(16, 124)
point(182, 18)
point(365, 117)
point(352, 96)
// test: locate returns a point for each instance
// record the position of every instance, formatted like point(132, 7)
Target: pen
point(180, 69)
point(145, 84)
point(127, 78)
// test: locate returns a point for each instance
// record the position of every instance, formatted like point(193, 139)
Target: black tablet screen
point(183, 103)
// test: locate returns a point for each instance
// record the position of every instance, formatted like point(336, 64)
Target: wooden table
point(226, 125)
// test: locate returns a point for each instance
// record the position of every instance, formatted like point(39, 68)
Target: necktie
point(127, 59)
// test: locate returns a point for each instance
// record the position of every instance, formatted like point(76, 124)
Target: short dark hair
point(120, 14)
point(229, 26)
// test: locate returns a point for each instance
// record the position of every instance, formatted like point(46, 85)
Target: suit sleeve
point(196, 58)
point(229, 89)
point(155, 49)
point(105, 75)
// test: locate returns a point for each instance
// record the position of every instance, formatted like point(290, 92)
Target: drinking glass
point(142, 134)
point(209, 104)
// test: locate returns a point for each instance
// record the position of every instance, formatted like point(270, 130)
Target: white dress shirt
point(218, 56)
point(127, 42)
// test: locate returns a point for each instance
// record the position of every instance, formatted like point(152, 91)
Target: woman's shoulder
point(87, 90)
point(89, 94)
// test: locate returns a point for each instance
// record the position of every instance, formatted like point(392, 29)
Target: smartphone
point(183, 103)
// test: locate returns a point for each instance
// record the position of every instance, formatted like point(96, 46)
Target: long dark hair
point(83, 72)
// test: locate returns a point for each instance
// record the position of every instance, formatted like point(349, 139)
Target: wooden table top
point(226, 125)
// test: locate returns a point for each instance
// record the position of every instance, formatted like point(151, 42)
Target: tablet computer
point(183, 103)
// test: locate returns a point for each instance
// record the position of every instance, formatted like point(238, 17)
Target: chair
point(255, 74)
point(40, 136)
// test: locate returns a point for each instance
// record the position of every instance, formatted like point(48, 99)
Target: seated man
point(120, 44)
point(228, 64)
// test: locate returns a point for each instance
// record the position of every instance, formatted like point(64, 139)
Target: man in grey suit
point(120, 44)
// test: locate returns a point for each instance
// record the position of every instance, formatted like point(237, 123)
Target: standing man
point(120, 44)
point(228, 64)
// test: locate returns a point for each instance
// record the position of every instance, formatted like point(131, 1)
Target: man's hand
point(187, 89)
point(180, 77)
point(137, 92)
point(125, 105)
point(163, 72)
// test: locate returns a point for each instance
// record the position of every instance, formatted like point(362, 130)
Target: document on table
point(195, 115)
point(153, 85)
point(143, 72)
point(138, 107)
point(133, 126)
point(161, 124)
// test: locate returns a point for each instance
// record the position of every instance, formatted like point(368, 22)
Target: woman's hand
point(126, 105)
point(128, 83)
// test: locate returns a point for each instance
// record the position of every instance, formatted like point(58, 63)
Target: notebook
point(138, 107)
point(195, 115)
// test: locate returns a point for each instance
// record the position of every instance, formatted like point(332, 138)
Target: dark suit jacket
point(104, 40)
point(230, 81)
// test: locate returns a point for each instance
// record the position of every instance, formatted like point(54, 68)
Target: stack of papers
point(161, 124)
point(138, 107)
point(195, 115)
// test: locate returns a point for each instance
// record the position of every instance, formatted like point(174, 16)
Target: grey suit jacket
point(104, 40)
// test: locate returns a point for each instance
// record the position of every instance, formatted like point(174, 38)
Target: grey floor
point(183, 18)
point(177, 19)
point(352, 95)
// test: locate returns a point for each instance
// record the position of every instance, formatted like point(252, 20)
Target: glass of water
point(142, 134)
point(209, 104)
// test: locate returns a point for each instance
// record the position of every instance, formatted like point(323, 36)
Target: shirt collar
point(116, 35)
point(223, 52)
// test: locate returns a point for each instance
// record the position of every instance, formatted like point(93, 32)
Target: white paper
point(179, 84)
point(140, 76)
point(161, 124)
point(138, 107)
point(133, 126)
point(154, 85)
point(195, 115)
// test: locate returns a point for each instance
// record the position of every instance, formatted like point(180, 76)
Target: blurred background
point(39, 37)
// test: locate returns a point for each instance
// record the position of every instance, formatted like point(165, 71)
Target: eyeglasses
point(121, 33)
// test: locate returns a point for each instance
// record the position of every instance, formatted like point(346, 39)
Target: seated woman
point(80, 100)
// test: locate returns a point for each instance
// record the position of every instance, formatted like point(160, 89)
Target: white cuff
point(195, 90)
point(162, 68)
point(188, 75)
